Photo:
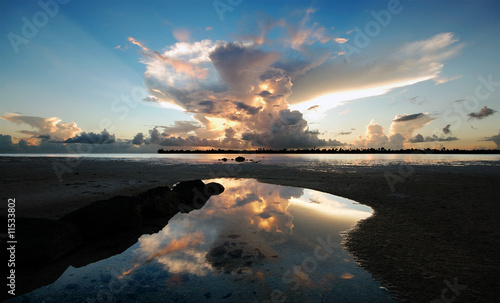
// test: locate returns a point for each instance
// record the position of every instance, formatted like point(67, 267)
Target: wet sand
point(434, 236)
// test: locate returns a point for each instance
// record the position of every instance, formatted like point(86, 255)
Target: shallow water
point(305, 160)
point(255, 242)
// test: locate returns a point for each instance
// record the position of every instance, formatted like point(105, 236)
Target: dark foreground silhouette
point(98, 231)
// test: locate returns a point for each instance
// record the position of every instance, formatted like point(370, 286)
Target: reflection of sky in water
point(253, 243)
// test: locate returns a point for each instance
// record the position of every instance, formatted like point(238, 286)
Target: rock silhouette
point(99, 230)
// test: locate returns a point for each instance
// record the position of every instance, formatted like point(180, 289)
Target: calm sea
point(294, 159)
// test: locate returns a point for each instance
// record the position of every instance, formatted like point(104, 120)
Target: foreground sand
point(435, 234)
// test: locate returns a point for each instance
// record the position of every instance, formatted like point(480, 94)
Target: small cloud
point(495, 139)
point(446, 129)
point(122, 48)
point(209, 28)
point(477, 147)
point(92, 138)
point(138, 43)
point(345, 111)
point(405, 117)
point(442, 80)
point(417, 100)
point(42, 127)
point(314, 107)
point(419, 139)
point(483, 113)
point(344, 133)
point(341, 40)
point(352, 30)
point(181, 34)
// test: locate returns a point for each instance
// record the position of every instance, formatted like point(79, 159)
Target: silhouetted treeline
point(331, 151)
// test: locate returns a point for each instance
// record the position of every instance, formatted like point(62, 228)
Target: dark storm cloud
point(92, 138)
point(495, 139)
point(344, 133)
point(446, 129)
point(251, 110)
point(483, 113)
point(239, 66)
point(419, 139)
point(408, 117)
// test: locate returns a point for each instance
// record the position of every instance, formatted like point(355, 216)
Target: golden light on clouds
point(138, 43)
point(178, 244)
point(335, 99)
point(347, 276)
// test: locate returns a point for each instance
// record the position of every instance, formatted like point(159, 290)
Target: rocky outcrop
point(99, 230)
point(194, 194)
point(44, 240)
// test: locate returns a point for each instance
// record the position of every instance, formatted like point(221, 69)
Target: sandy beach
point(434, 236)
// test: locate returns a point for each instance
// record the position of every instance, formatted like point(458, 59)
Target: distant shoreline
point(336, 151)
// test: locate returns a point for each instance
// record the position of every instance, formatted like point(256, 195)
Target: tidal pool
point(255, 242)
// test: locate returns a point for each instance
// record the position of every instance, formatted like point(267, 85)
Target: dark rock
point(106, 216)
point(158, 203)
point(224, 159)
point(217, 251)
point(236, 253)
point(239, 159)
point(207, 295)
point(194, 194)
point(214, 188)
point(44, 240)
point(100, 230)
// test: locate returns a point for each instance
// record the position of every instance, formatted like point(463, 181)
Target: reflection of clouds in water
point(247, 199)
point(291, 192)
point(232, 243)
point(259, 209)
point(332, 205)
point(191, 261)
point(255, 213)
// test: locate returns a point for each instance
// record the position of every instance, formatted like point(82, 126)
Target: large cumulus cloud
point(235, 91)
point(400, 132)
point(43, 128)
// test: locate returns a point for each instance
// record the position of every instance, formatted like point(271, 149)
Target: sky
point(135, 76)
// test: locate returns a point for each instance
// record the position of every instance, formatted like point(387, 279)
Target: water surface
point(309, 160)
point(255, 242)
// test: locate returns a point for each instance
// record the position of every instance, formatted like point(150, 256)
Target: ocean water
point(292, 159)
point(255, 242)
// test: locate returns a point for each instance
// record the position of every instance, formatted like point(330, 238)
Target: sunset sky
point(134, 76)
